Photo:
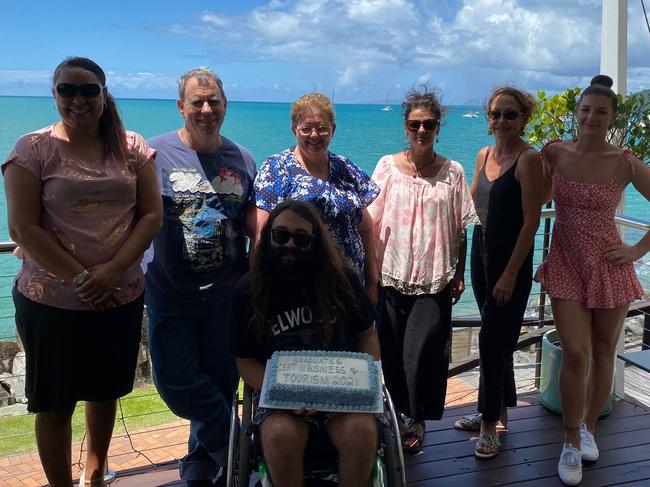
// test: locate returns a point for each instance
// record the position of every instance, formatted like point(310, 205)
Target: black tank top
point(498, 204)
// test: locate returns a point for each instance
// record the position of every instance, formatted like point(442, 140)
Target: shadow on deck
point(529, 457)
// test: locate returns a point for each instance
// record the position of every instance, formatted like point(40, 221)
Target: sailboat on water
point(387, 108)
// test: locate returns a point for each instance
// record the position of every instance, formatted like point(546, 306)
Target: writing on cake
point(322, 380)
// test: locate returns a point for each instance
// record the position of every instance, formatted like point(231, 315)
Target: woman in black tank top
point(508, 193)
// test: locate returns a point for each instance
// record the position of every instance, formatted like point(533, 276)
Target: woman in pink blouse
point(420, 219)
point(83, 205)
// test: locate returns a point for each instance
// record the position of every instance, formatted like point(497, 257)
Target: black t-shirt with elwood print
point(292, 325)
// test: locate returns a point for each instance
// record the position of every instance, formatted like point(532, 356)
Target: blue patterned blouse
point(341, 200)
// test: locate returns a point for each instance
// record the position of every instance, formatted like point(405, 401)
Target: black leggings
point(501, 325)
point(414, 333)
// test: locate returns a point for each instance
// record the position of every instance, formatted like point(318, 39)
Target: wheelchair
point(244, 450)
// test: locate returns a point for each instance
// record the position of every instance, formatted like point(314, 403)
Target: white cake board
point(377, 409)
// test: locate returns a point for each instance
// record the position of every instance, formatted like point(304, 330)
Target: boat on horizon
point(470, 114)
point(387, 107)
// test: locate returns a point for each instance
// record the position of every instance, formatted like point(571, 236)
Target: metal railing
point(536, 326)
point(537, 321)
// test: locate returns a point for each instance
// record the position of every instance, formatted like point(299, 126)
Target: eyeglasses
point(88, 90)
point(213, 103)
point(320, 130)
point(302, 240)
point(428, 124)
point(508, 114)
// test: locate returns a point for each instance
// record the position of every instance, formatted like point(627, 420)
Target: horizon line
point(378, 103)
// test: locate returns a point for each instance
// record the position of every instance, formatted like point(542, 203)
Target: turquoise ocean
point(363, 133)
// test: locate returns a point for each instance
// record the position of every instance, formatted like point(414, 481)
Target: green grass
point(141, 409)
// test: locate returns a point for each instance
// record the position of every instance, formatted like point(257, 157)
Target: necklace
point(416, 169)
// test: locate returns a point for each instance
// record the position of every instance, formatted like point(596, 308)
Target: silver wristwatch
point(80, 278)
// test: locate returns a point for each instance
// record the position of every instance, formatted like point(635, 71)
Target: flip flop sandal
point(469, 422)
point(489, 442)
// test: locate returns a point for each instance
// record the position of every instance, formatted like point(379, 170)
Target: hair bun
point(602, 80)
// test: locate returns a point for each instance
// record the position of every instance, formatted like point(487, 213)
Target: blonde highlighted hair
point(311, 102)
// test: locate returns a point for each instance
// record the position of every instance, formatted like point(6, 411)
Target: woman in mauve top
point(83, 205)
point(420, 219)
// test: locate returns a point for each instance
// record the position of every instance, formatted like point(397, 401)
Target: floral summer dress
point(575, 268)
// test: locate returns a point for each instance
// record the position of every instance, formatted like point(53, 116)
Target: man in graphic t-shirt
point(194, 262)
point(298, 296)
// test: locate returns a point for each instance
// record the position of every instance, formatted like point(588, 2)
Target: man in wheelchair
point(300, 296)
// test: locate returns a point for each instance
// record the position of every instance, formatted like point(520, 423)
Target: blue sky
point(276, 50)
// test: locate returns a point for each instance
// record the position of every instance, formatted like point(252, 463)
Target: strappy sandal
point(412, 440)
point(469, 422)
point(491, 442)
point(109, 478)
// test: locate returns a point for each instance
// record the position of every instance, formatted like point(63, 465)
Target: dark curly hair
point(425, 98)
point(111, 128)
point(601, 84)
point(329, 285)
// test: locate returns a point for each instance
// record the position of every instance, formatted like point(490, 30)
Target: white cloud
point(212, 19)
point(379, 11)
point(25, 82)
point(538, 44)
point(128, 84)
point(351, 75)
point(26, 75)
point(424, 79)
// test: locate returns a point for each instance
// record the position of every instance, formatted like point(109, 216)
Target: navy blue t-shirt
point(200, 249)
point(292, 323)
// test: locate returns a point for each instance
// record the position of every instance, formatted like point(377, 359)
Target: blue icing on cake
point(322, 380)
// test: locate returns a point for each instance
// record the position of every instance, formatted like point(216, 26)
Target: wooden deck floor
point(529, 457)
point(531, 449)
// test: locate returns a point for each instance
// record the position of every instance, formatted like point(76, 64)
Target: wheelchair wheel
point(232, 474)
point(245, 440)
point(393, 457)
point(239, 442)
point(394, 470)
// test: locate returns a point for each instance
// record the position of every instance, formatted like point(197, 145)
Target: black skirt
point(77, 355)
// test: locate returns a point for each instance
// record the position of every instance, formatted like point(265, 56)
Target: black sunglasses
point(88, 90)
point(414, 125)
point(302, 240)
point(508, 114)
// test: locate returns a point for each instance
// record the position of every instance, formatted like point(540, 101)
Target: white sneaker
point(569, 467)
point(588, 447)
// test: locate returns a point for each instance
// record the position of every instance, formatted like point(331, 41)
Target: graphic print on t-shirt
point(293, 329)
point(291, 319)
point(203, 210)
point(228, 185)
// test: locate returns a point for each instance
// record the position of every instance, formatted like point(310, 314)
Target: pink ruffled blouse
point(419, 224)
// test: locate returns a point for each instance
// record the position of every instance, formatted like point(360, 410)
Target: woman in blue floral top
point(332, 183)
